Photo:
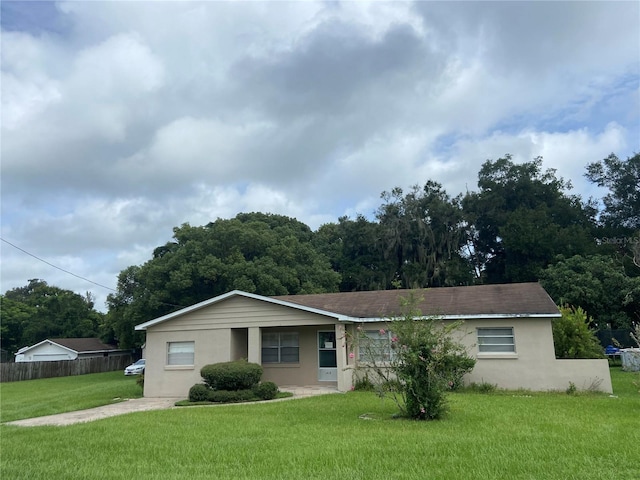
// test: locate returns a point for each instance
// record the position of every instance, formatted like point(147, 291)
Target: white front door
point(327, 361)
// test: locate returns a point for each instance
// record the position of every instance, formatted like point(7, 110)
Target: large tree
point(354, 249)
point(622, 178)
point(38, 311)
point(599, 285)
point(422, 234)
point(254, 252)
point(620, 218)
point(521, 218)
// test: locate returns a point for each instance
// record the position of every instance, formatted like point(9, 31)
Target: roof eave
point(219, 298)
point(458, 317)
point(25, 349)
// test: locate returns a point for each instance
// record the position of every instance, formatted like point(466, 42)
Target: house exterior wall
point(533, 366)
point(46, 352)
point(163, 380)
point(218, 333)
point(231, 329)
point(306, 371)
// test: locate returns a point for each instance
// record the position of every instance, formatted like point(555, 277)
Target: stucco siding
point(306, 371)
point(232, 328)
point(220, 333)
point(163, 380)
point(533, 365)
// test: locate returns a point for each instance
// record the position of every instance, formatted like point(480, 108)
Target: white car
point(135, 368)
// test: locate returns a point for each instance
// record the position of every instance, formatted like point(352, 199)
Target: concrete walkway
point(142, 405)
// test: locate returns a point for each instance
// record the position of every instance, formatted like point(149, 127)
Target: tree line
point(522, 224)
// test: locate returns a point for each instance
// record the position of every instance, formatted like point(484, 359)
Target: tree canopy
point(522, 224)
point(599, 285)
point(39, 311)
point(622, 178)
point(521, 218)
point(254, 252)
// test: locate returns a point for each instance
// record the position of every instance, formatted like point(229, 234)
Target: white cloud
point(133, 117)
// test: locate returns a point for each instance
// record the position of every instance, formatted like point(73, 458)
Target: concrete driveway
point(111, 410)
point(142, 405)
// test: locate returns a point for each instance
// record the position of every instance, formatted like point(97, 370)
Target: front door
point(327, 361)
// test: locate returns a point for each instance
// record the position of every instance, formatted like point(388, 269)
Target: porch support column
point(344, 371)
point(254, 345)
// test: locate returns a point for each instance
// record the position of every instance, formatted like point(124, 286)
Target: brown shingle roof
point(509, 299)
point(83, 344)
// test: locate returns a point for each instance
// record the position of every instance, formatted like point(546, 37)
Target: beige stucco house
point(303, 339)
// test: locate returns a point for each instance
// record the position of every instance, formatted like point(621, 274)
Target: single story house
point(303, 339)
point(56, 349)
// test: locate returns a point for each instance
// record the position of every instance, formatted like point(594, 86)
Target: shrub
point(230, 396)
point(454, 367)
point(238, 375)
point(199, 393)
point(265, 390)
point(140, 381)
point(423, 362)
point(483, 387)
point(572, 337)
point(364, 384)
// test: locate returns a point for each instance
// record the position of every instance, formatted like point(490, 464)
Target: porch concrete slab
point(308, 390)
point(146, 404)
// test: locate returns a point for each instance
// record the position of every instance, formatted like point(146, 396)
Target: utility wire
point(55, 266)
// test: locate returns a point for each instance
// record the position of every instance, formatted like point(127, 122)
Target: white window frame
point(278, 347)
point(181, 353)
point(495, 340)
point(379, 345)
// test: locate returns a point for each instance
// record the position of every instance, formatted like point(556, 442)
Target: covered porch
point(309, 355)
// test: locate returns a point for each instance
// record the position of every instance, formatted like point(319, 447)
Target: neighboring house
point(55, 349)
point(303, 339)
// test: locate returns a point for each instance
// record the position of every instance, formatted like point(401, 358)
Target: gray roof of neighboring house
point(83, 344)
point(516, 299)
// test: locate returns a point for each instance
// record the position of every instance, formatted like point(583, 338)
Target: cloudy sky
point(121, 120)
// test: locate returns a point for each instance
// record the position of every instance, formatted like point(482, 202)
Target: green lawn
point(497, 436)
point(36, 398)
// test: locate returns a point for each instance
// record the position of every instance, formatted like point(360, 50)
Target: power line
point(55, 266)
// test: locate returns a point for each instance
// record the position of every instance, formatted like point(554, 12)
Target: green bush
point(266, 390)
point(483, 387)
point(454, 367)
point(572, 337)
point(199, 393)
point(230, 396)
point(238, 375)
point(423, 362)
point(364, 384)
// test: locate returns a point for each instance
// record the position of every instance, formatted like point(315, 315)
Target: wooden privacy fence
point(14, 372)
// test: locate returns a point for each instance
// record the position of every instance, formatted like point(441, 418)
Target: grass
point(515, 435)
point(36, 398)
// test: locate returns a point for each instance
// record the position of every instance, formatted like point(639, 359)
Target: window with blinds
point(496, 340)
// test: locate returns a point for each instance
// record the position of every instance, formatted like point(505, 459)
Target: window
point(180, 353)
point(375, 346)
point(496, 340)
point(280, 347)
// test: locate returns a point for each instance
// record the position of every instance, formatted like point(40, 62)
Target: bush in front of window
point(199, 393)
point(265, 390)
point(237, 375)
point(230, 396)
point(416, 354)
